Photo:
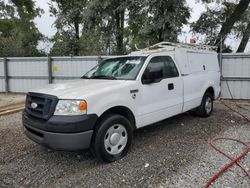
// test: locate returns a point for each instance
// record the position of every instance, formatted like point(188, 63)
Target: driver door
point(163, 98)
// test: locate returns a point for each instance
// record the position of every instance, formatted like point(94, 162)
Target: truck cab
point(101, 110)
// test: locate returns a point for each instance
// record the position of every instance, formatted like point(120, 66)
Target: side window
point(156, 63)
point(166, 64)
point(171, 70)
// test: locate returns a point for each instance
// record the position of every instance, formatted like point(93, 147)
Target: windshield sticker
point(136, 62)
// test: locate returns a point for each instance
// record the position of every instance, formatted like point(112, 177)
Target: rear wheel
point(112, 138)
point(206, 107)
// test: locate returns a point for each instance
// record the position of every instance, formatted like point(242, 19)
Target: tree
point(103, 23)
point(114, 26)
point(137, 21)
point(18, 33)
point(166, 19)
point(109, 15)
point(245, 39)
point(70, 17)
point(6, 11)
point(12, 45)
point(93, 43)
point(230, 21)
point(157, 20)
point(211, 21)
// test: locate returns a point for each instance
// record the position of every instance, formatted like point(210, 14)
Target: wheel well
point(211, 91)
point(121, 110)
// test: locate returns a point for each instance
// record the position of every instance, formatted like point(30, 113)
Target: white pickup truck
point(101, 110)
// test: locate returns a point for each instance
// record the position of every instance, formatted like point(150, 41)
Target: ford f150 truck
point(101, 110)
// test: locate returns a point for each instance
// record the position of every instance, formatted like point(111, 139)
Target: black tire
point(107, 123)
point(203, 110)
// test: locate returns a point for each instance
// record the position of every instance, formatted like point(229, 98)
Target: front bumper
point(69, 133)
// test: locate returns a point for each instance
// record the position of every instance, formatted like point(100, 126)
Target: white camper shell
point(190, 58)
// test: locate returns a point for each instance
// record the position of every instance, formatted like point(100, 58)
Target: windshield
point(121, 68)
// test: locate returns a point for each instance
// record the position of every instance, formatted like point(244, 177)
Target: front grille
point(45, 105)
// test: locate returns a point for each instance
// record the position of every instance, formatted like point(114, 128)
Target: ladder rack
point(165, 45)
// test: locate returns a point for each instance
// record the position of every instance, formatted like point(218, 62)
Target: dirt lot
point(7, 99)
point(172, 153)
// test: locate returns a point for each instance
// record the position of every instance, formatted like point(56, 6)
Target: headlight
point(71, 107)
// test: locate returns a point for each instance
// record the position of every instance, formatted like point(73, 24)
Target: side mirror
point(152, 76)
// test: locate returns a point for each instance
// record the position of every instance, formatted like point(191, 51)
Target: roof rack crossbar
point(183, 45)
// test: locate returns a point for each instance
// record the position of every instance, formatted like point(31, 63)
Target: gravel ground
point(172, 153)
point(243, 106)
point(7, 99)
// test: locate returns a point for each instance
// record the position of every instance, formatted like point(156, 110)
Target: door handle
point(204, 67)
point(170, 86)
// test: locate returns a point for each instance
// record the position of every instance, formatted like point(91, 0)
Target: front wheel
point(112, 138)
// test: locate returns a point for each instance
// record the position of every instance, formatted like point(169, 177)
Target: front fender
point(98, 105)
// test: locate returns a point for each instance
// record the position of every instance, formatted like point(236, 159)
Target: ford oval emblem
point(34, 105)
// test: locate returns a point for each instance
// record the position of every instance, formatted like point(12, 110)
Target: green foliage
point(64, 44)
point(92, 43)
point(166, 19)
point(211, 21)
point(18, 33)
point(6, 10)
point(115, 26)
point(11, 45)
point(7, 26)
point(70, 17)
point(154, 21)
point(94, 27)
point(236, 15)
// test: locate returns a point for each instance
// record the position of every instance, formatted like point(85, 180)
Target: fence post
point(220, 56)
point(50, 70)
point(6, 74)
point(99, 59)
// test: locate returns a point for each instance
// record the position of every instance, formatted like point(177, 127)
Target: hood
point(75, 89)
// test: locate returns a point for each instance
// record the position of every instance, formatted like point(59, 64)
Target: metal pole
point(99, 60)
point(221, 46)
point(6, 75)
point(50, 70)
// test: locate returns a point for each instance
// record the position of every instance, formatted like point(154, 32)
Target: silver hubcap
point(208, 105)
point(116, 139)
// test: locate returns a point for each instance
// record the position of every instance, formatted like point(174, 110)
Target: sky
point(45, 23)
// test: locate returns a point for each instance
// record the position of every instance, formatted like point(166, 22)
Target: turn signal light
point(83, 106)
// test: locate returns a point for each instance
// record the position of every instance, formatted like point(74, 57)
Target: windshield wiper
point(103, 77)
point(84, 77)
